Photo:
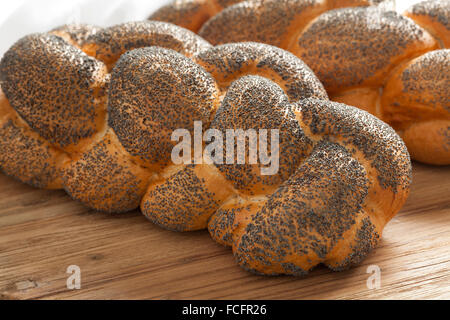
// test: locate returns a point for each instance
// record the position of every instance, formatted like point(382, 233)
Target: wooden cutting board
point(124, 256)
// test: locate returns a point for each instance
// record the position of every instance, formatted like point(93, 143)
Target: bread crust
point(191, 14)
point(356, 48)
point(434, 16)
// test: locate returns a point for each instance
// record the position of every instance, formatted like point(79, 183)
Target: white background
point(21, 17)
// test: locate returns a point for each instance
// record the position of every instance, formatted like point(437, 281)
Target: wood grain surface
point(126, 257)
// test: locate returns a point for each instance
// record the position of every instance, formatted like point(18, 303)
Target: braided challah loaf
point(92, 111)
point(395, 68)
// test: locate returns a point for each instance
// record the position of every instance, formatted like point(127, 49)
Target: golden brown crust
point(384, 39)
point(228, 62)
point(191, 14)
point(362, 76)
point(246, 106)
point(153, 92)
point(24, 154)
point(416, 102)
point(298, 225)
point(264, 21)
point(433, 147)
point(433, 16)
point(187, 14)
point(418, 91)
point(65, 105)
point(366, 98)
point(185, 200)
point(235, 212)
point(275, 22)
point(110, 43)
point(306, 221)
point(76, 34)
point(105, 177)
point(377, 142)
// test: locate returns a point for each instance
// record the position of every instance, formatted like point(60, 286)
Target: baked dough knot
point(92, 110)
point(396, 66)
